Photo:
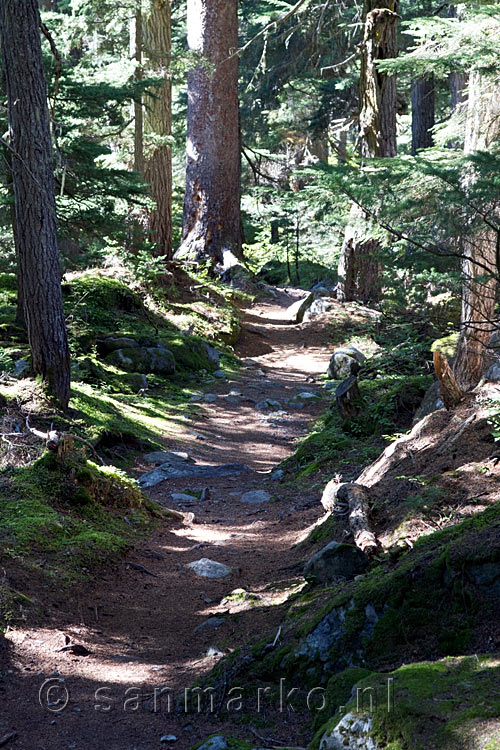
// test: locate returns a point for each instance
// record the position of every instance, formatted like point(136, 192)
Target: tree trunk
point(359, 267)
point(422, 112)
point(458, 86)
point(158, 126)
point(211, 224)
point(34, 194)
point(479, 268)
point(457, 81)
point(136, 44)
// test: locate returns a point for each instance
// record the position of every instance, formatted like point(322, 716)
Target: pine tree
point(480, 271)
point(359, 265)
point(32, 171)
point(157, 38)
point(211, 224)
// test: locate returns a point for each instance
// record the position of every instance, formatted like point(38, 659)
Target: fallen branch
point(54, 440)
point(356, 498)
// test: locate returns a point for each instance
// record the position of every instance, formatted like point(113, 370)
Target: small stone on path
point(209, 568)
point(255, 497)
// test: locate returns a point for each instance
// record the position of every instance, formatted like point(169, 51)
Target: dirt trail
point(148, 630)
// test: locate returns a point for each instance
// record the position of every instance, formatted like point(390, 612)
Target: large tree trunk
point(359, 267)
point(211, 226)
point(480, 250)
point(34, 194)
point(136, 44)
point(422, 112)
point(158, 126)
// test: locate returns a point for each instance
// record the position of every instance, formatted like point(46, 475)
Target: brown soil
point(141, 629)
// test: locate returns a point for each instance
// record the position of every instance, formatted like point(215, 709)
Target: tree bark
point(211, 224)
point(136, 44)
point(479, 268)
point(359, 266)
point(422, 112)
point(451, 393)
point(33, 180)
point(158, 126)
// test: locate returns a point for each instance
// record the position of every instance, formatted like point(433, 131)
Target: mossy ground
point(69, 511)
point(59, 519)
point(442, 705)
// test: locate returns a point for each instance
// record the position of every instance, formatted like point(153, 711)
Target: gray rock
point(268, 404)
point(331, 385)
point(342, 362)
point(220, 374)
point(168, 738)
point(295, 403)
point(323, 286)
point(351, 733)
point(495, 340)
point(336, 561)
point(493, 372)
point(210, 398)
point(168, 457)
point(277, 475)
point(195, 397)
point(218, 742)
point(211, 353)
point(318, 307)
point(255, 497)
point(143, 359)
point(112, 343)
point(486, 575)
point(431, 402)
point(181, 497)
point(136, 380)
point(21, 366)
point(307, 395)
point(212, 623)
point(209, 568)
point(168, 471)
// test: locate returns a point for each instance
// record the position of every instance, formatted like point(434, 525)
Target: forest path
point(154, 628)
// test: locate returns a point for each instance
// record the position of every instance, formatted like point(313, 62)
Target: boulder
point(218, 742)
point(318, 307)
point(493, 372)
point(336, 561)
point(177, 471)
point(353, 732)
point(255, 497)
point(136, 380)
point(211, 353)
point(209, 568)
point(344, 362)
point(142, 359)
point(112, 343)
point(174, 458)
point(431, 402)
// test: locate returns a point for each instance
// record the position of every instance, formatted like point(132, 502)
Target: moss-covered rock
point(448, 704)
point(144, 360)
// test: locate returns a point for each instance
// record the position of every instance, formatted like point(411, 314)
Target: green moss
point(61, 514)
point(441, 704)
point(446, 345)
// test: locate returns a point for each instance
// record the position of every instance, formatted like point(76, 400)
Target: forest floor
point(151, 627)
